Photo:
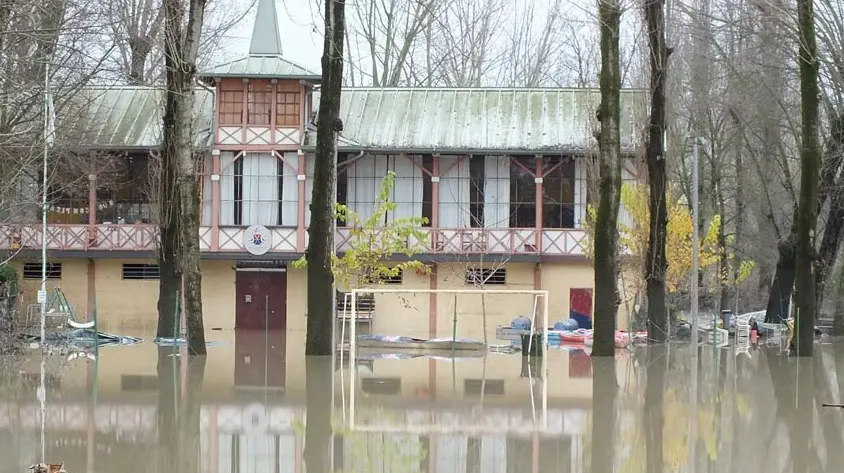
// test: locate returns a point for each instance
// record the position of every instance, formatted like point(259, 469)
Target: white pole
point(353, 359)
point(695, 248)
point(43, 292)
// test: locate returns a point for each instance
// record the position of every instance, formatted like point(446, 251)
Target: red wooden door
point(261, 300)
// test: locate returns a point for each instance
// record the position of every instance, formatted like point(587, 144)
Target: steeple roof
point(266, 40)
point(265, 60)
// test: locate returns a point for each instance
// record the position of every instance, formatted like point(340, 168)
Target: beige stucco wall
point(74, 284)
point(130, 306)
point(408, 313)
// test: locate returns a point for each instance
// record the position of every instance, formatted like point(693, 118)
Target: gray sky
point(301, 38)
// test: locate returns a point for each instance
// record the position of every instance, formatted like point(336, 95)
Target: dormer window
point(259, 103)
point(231, 102)
point(288, 102)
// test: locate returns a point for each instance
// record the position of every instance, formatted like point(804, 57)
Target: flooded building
point(500, 175)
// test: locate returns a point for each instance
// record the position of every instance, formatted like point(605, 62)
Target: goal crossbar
point(536, 293)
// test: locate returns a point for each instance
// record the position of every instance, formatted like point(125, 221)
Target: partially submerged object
point(84, 337)
point(48, 468)
point(390, 344)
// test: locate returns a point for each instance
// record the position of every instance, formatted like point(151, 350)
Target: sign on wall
point(257, 240)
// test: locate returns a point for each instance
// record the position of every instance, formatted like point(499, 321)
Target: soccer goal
point(448, 325)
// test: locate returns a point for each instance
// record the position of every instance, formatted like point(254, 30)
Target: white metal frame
point(535, 293)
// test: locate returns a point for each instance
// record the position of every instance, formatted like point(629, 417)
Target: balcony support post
point(435, 201)
point(215, 200)
point(300, 218)
point(539, 203)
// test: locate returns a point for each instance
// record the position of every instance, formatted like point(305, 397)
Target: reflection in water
point(257, 405)
point(604, 389)
point(319, 377)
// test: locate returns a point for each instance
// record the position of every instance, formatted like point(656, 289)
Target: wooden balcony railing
point(460, 241)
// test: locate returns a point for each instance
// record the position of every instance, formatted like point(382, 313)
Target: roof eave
point(310, 78)
point(630, 151)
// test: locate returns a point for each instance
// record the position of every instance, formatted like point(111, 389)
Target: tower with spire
point(262, 100)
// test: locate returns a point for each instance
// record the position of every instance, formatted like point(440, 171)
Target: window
point(558, 192)
point(140, 271)
point(231, 102)
point(489, 277)
point(259, 103)
point(33, 271)
point(491, 386)
point(397, 279)
point(476, 191)
point(523, 192)
point(124, 190)
point(287, 106)
point(427, 188)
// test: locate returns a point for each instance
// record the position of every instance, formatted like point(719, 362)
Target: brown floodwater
point(255, 404)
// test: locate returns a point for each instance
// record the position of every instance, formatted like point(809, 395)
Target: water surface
point(257, 405)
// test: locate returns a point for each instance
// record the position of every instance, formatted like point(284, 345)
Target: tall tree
point(656, 264)
point(609, 170)
point(182, 31)
point(320, 232)
point(810, 161)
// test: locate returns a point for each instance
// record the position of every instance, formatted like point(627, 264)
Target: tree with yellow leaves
point(633, 239)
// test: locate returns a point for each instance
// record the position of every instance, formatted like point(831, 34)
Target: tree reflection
point(604, 391)
point(318, 379)
point(179, 412)
point(654, 413)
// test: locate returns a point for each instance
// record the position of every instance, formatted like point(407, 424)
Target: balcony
point(460, 241)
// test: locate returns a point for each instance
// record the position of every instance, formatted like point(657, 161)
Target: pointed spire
point(266, 40)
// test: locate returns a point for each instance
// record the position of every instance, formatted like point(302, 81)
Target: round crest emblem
point(257, 240)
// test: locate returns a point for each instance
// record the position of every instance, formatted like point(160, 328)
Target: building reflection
point(245, 410)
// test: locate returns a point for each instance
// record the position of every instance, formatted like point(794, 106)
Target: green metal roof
point(262, 67)
point(130, 117)
point(408, 120)
point(479, 120)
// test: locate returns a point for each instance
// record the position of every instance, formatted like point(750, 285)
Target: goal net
point(441, 344)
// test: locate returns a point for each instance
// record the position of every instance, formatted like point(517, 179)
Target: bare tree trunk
point(779, 300)
point(738, 241)
point(832, 187)
point(181, 45)
point(609, 166)
point(810, 160)
point(169, 278)
point(656, 264)
point(320, 232)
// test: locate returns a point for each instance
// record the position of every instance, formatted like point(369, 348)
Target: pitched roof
point(130, 117)
point(265, 60)
point(478, 120)
point(262, 67)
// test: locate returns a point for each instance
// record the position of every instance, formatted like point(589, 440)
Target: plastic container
point(569, 325)
point(520, 323)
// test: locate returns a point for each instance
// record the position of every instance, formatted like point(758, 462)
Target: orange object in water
point(754, 335)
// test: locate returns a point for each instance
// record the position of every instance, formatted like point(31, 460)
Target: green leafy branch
point(373, 241)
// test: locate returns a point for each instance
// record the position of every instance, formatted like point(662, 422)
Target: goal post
point(504, 303)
